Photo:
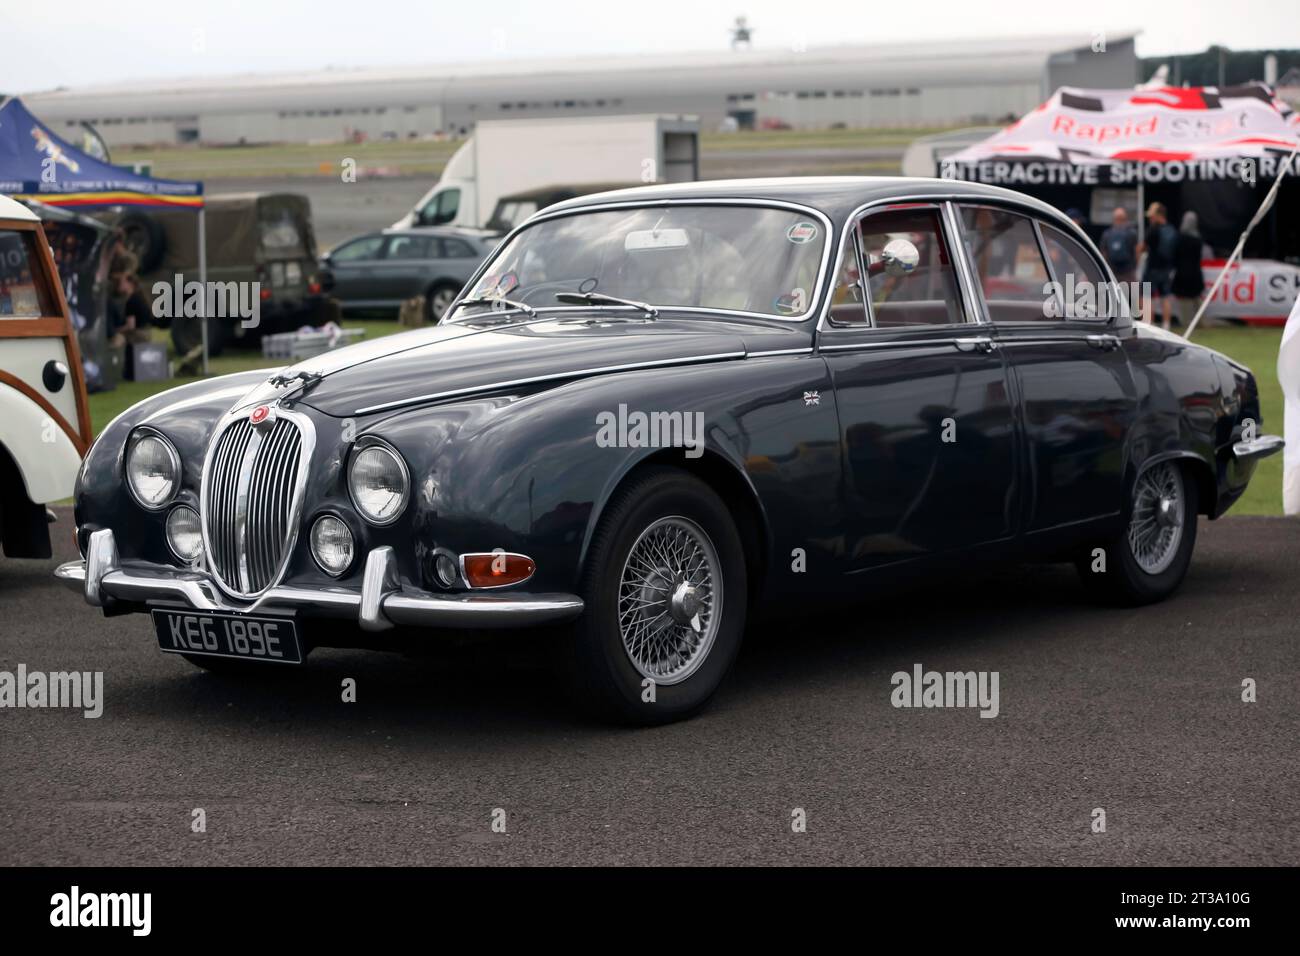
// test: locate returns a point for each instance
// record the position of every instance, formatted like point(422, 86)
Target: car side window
point(1083, 284)
point(846, 298)
point(457, 249)
point(442, 208)
point(367, 248)
point(408, 247)
point(1008, 262)
point(925, 294)
point(21, 296)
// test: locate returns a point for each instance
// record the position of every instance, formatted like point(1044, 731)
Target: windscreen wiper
point(599, 298)
point(493, 299)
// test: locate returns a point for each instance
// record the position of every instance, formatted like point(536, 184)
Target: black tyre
point(1147, 561)
point(145, 237)
point(437, 299)
point(666, 591)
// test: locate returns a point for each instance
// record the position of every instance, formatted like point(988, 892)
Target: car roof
point(462, 232)
point(12, 209)
point(836, 196)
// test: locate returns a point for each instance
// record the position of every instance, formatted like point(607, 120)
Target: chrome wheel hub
point(1156, 526)
point(670, 600)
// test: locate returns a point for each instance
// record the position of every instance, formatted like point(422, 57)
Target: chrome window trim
point(818, 283)
point(803, 350)
point(974, 301)
point(307, 432)
point(361, 444)
point(137, 433)
point(552, 376)
point(944, 342)
point(1039, 218)
point(1102, 268)
point(936, 199)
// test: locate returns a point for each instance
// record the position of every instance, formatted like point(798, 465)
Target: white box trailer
point(504, 157)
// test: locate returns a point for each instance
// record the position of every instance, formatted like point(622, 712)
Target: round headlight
point(153, 471)
point(184, 535)
point(378, 482)
point(331, 545)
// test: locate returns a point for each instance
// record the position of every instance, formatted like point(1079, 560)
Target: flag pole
point(1260, 213)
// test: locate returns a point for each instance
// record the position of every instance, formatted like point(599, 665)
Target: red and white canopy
point(1122, 137)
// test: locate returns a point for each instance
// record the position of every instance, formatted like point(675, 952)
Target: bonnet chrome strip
point(550, 377)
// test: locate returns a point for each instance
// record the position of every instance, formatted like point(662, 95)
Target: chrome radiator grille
point(249, 502)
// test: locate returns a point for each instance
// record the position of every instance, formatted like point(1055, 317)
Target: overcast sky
point(79, 42)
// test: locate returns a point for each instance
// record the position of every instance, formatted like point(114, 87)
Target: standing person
point(1189, 280)
point(1119, 246)
point(1159, 268)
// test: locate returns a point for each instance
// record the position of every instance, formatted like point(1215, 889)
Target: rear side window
point(457, 249)
point(1082, 283)
point(21, 295)
point(367, 248)
point(409, 247)
point(1008, 262)
point(925, 295)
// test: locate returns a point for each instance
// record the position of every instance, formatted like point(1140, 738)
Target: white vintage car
point(44, 421)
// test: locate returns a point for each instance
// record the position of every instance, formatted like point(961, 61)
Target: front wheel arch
point(730, 483)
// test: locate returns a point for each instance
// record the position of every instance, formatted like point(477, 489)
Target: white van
point(503, 157)
point(44, 419)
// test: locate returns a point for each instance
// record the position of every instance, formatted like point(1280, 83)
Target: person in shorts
point(1161, 250)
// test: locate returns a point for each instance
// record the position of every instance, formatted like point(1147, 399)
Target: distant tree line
point(1202, 69)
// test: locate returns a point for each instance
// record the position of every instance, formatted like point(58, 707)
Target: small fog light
point(445, 567)
point(184, 536)
point(331, 545)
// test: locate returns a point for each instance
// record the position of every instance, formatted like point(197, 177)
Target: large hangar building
point(914, 84)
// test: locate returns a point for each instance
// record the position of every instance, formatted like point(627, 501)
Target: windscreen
point(736, 258)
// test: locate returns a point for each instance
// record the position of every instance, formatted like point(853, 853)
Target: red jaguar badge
point(261, 415)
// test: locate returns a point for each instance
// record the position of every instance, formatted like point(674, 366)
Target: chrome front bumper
point(381, 602)
point(1257, 448)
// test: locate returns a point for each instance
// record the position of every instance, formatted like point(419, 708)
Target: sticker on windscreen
point(802, 232)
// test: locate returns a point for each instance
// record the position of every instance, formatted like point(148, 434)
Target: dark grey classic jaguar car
point(654, 411)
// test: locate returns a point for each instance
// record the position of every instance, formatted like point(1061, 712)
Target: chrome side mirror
point(899, 257)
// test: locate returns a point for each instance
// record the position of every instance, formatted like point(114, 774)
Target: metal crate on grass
point(301, 345)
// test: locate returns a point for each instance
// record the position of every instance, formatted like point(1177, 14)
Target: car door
point(353, 266)
point(1075, 389)
point(921, 388)
point(405, 267)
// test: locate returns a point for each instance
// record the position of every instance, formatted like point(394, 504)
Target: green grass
point(1255, 347)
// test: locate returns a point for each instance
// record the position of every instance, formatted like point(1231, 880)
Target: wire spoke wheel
point(1155, 527)
point(670, 600)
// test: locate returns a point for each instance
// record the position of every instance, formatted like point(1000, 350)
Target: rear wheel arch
point(1194, 467)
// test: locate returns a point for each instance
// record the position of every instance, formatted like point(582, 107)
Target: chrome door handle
point(1106, 343)
point(978, 344)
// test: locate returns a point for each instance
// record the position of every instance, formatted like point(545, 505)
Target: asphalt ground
point(1137, 712)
